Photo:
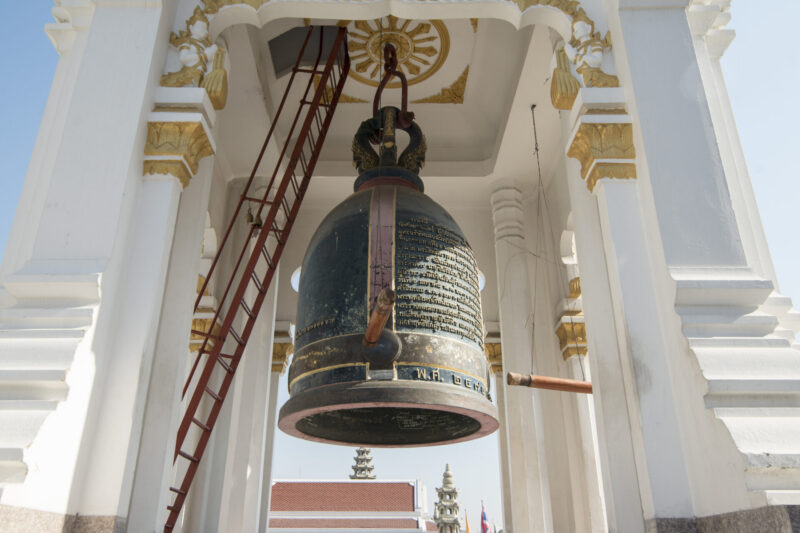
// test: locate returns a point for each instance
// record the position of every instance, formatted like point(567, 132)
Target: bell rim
point(349, 396)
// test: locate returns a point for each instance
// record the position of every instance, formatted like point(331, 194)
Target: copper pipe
point(380, 314)
point(544, 382)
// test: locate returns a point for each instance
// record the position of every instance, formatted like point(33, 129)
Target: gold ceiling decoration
point(454, 94)
point(422, 48)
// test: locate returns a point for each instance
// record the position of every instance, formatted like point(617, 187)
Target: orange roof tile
point(339, 496)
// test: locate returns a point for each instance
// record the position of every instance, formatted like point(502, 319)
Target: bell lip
point(349, 395)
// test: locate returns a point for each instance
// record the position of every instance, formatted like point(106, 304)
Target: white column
point(494, 353)
point(621, 449)
point(530, 506)
point(114, 421)
point(280, 362)
point(153, 473)
point(80, 218)
point(579, 417)
point(246, 436)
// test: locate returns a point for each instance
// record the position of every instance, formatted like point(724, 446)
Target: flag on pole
point(466, 519)
point(484, 521)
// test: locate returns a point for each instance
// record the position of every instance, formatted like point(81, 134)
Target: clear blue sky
point(761, 69)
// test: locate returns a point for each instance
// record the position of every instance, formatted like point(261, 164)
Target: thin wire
point(542, 196)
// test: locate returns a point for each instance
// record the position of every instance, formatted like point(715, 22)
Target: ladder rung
point(259, 286)
point(206, 334)
point(213, 394)
point(267, 257)
point(237, 337)
point(185, 455)
point(308, 70)
point(177, 491)
point(224, 365)
point(202, 426)
point(258, 200)
point(247, 310)
point(322, 104)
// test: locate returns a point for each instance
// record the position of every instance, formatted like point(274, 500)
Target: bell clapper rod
point(380, 314)
point(545, 382)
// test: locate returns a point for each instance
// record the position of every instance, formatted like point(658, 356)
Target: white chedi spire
point(445, 513)
point(363, 468)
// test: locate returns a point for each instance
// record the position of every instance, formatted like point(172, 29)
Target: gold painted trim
point(494, 354)
point(176, 168)
point(178, 139)
point(574, 350)
point(454, 94)
point(595, 142)
point(318, 370)
point(618, 171)
point(280, 356)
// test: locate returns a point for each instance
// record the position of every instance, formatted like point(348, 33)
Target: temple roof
point(342, 496)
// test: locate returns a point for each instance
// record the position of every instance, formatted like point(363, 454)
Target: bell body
point(426, 380)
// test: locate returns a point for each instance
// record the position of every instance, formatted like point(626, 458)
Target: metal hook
point(404, 118)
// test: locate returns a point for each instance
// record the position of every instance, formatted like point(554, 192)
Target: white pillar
point(153, 473)
point(621, 448)
point(82, 218)
point(246, 437)
point(494, 353)
point(281, 350)
point(530, 506)
point(115, 419)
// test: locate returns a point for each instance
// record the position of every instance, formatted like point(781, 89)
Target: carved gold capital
point(595, 144)
point(602, 170)
point(571, 337)
point(176, 144)
point(170, 167)
point(494, 354)
point(280, 356)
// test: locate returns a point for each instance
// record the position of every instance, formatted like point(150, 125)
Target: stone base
point(771, 519)
point(21, 520)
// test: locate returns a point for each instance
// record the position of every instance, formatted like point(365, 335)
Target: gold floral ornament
point(422, 48)
point(454, 94)
point(203, 63)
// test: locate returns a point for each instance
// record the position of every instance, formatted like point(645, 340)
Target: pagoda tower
point(445, 513)
point(363, 467)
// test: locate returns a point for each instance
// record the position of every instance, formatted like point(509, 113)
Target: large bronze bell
point(389, 252)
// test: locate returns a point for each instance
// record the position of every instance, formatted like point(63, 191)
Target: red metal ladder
point(235, 316)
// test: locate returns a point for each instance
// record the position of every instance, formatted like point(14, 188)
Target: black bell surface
point(388, 347)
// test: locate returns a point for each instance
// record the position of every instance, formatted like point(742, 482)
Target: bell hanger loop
point(404, 118)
